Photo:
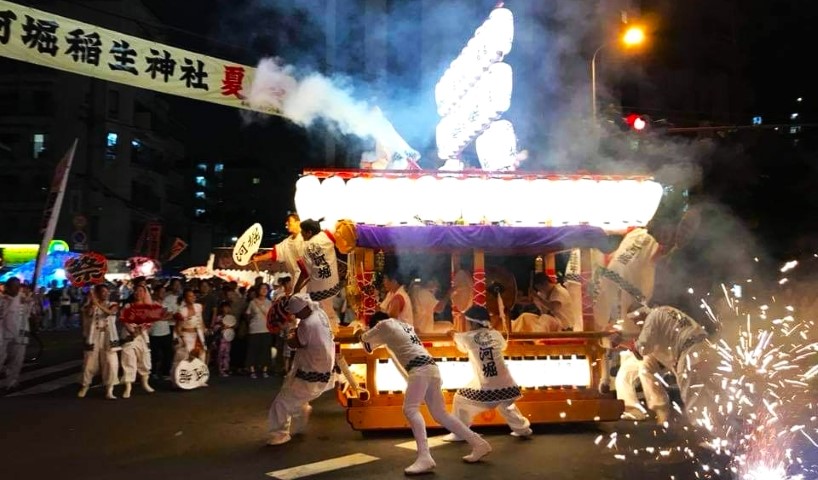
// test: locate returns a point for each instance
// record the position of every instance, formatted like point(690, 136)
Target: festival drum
point(190, 374)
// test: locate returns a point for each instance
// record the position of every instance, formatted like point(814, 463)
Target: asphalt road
point(219, 433)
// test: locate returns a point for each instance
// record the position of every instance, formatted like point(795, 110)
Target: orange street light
point(632, 37)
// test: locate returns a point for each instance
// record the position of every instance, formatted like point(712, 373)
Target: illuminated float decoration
point(493, 211)
point(613, 203)
point(472, 95)
point(480, 213)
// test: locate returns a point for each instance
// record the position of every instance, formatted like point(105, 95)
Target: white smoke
point(305, 100)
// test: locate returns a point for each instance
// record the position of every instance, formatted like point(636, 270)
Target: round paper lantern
point(308, 201)
point(333, 195)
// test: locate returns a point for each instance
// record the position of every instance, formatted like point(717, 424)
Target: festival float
point(475, 216)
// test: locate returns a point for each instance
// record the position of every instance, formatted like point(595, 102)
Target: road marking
point(41, 372)
point(433, 442)
point(321, 467)
point(48, 386)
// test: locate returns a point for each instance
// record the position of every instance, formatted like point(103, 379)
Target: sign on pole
point(53, 205)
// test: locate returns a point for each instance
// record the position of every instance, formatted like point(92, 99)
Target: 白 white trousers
point(12, 353)
point(136, 357)
point(631, 369)
point(425, 387)
point(101, 358)
point(292, 400)
point(465, 410)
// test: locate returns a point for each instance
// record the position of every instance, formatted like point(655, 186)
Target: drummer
point(555, 306)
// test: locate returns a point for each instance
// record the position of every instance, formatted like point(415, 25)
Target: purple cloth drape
point(487, 237)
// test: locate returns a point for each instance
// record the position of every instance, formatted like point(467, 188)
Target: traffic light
point(637, 122)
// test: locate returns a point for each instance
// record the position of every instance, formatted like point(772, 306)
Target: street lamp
point(632, 37)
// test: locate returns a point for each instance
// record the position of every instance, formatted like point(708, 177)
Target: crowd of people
point(235, 330)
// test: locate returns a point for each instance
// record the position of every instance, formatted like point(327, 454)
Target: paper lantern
point(333, 195)
point(308, 201)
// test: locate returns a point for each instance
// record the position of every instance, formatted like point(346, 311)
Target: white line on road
point(48, 386)
point(321, 467)
point(41, 372)
point(433, 442)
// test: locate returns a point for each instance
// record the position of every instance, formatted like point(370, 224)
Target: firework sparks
point(754, 413)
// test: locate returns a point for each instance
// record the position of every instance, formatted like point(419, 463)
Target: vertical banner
point(177, 248)
point(153, 238)
point(52, 208)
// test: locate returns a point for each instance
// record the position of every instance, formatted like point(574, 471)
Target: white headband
point(483, 323)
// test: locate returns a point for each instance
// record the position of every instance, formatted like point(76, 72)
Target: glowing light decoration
point(474, 92)
point(308, 201)
point(497, 147)
point(611, 204)
point(490, 43)
point(473, 208)
point(553, 371)
point(333, 191)
point(427, 199)
point(484, 103)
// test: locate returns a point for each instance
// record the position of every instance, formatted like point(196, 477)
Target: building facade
point(129, 166)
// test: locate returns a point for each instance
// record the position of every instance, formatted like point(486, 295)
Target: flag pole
point(52, 209)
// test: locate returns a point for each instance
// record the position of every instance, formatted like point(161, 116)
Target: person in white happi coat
point(396, 303)
point(14, 331)
point(672, 338)
point(424, 386)
point(318, 269)
point(555, 306)
point(311, 373)
point(136, 353)
point(190, 329)
point(102, 344)
point(289, 250)
point(492, 385)
point(624, 284)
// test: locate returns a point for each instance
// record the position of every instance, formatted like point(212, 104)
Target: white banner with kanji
point(50, 40)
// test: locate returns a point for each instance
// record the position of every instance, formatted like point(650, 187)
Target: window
point(256, 180)
point(111, 142)
point(200, 212)
point(39, 144)
point(202, 167)
point(200, 195)
point(200, 181)
point(137, 151)
point(113, 104)
point(219, 168)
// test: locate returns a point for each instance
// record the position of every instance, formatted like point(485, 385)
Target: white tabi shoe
point(523, 433)
point(422, 465)
point(633, 414)
point(109, 393)
point(146, 386)
point(127, 392)
point(479, 450)
point(278, 439)
point(299, 423)
point(452, 438)
point(83, 391)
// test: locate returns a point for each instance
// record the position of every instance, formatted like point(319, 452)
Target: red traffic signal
point(637, 122)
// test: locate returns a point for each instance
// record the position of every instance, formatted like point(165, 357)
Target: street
point(219, 433)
